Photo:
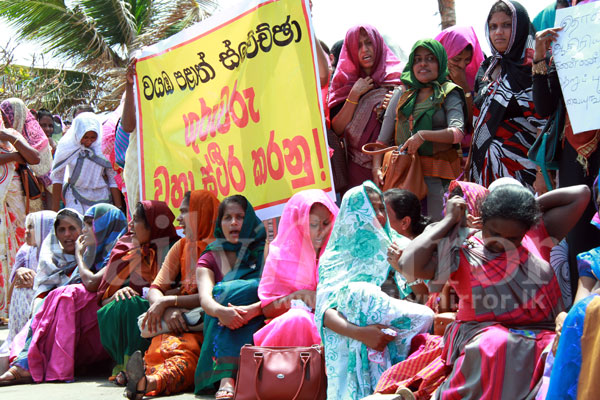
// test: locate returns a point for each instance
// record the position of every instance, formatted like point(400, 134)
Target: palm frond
point(113, 18)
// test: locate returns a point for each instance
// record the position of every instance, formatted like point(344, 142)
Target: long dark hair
point(405, 203)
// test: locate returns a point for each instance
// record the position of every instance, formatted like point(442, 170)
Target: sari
point(292, 265)
point(135, 266)
point(171, 359)
point(27, 257)
point(351, 272)
point(365, 126)
point(507, 306)
point(505, 120)
point(220, 352)
point(64, 332)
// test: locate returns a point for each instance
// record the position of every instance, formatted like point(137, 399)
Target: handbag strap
point(377, 148)
point(25, 183)
point(258, 358)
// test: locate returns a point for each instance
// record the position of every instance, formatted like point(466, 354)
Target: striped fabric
point(121, 145)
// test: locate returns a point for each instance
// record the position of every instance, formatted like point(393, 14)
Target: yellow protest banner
point(231, 105)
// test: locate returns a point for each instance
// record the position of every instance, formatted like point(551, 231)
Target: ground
point(89, 387)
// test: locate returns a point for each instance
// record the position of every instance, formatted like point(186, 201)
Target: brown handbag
point(281, 373)
point(400, 170)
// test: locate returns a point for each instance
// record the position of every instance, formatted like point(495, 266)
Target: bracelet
point(176, 297)
point(421, 136)
point(351, 102)
point(539, 69)
point(15, 142)
point(539, 60)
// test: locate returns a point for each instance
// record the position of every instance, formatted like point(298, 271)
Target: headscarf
point(386, 69)
point(55, 267)
point(406, 105)
point(455, 39)
point(43, 222)
point(515, 62)
point(134, 265)
point(473, 193)
point(70, 146)
point(356, 251)
point(249, 249)
point(292, 263)
point(109, 224)
point(23, 121)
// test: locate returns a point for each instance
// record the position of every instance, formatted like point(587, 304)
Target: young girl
point(80, 172)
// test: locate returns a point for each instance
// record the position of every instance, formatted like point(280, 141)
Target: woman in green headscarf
point(228, 274)
point(428, 118)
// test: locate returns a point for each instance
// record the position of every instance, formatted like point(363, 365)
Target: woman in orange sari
point(172, 357)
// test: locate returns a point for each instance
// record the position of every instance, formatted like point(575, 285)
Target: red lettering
point(249, 95)
point(223, 120)
point(298, 161)
point(273, 149)
point(236, 97)
point(233, 163)
point(161, 187)
point(222, 178)
point(260, 166)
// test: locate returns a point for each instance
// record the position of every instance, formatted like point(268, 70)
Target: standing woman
point(506, 122)
point(366, 71)
point(228, 274)
point(81, 176)
point(428, 119)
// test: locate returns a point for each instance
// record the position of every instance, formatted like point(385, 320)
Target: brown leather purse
point(400, 170)
point(281, 373)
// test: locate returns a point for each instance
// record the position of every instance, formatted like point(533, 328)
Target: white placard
point(577, 59)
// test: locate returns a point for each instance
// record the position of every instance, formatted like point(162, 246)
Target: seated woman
point(575, 370)
point(64, 332)
point(288, 284)
point(133, 265)
point(91, 179)
point(367, 69)
point(171, 360)
point(508, 294)
point(37, 226)
point(428, 119)
point(228, 274)
point(352, 310)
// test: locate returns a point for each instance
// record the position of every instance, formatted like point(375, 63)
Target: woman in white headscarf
point(81, 173)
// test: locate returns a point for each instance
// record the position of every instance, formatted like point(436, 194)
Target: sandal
point(134, 372)
point(120, 379)
point(405, 393)
point(17, 377)
point(225, 394)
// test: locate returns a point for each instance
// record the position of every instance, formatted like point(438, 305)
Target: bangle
point(468, 94)
point(539, 69)
point(176, 300)
point(539, 60)
point(15, 142)
point(351, 102)
point(421, 136)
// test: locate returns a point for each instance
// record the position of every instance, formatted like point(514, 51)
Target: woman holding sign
point(505, 119)
point(367, 69)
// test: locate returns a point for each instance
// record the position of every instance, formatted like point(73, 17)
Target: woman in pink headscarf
point(367, 69)
point(288, 284)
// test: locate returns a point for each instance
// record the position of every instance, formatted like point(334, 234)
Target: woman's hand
point(459, 76)
point(393, 255)
point(125, 293)
point(154, 316)
point(361, 86)
point(231, 316)
point(378, 177)
point(80, 245)
point(374, 338)
point(174, 320)
point(24, 278)
point(130, 73)
point(543, 41)
point(411, 146)
point(456, 208)
point(309, 297)
point(7, 136)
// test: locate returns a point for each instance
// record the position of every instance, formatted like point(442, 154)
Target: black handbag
point(543, 150)
point(31, 185)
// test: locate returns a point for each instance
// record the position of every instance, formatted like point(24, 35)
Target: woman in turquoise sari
point(228, 275)
point(352, 311)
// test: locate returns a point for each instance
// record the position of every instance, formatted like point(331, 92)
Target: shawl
point(23, 121)
point(43, 223)
point(356, 250)
point(473, 193)
point(70, 146)
point(442, 86)
point(109, 224)
point(292, 264)
point(134, 265)
point(55, 267)
point(249, 249)
point(386, 69)
point(203, 212)
point(454, 40)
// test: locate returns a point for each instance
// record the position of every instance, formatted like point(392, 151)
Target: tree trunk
point(447, 13)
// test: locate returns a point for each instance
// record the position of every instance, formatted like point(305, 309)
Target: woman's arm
point(56, 196)
point(343, 118)
point(561, 209)
point(128, 117)
point(546, 101)
point(282, 305)
point(323, 64)
point(170, 309)
point(231, 317)
point(414, 262)
point(386, 134)
point(25, 153)
point(370, 335)
point(90, 280)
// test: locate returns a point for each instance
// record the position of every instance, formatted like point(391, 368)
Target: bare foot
point(14, 376)
point(226, 389)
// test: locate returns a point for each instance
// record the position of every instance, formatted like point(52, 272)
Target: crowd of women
point(464, 293)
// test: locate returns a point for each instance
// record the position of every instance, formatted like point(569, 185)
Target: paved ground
point(88, 387)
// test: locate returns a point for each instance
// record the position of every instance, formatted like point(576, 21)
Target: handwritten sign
point(232, 105)
point(577, 59)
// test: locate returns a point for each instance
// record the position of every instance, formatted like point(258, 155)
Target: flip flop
point(135, 371)
point(18, 378)
point(226, 394)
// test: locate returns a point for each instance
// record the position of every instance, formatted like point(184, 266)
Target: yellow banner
point(231, 105)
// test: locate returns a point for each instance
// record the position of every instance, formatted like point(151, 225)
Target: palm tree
point(101, 35)
point(447, 12)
